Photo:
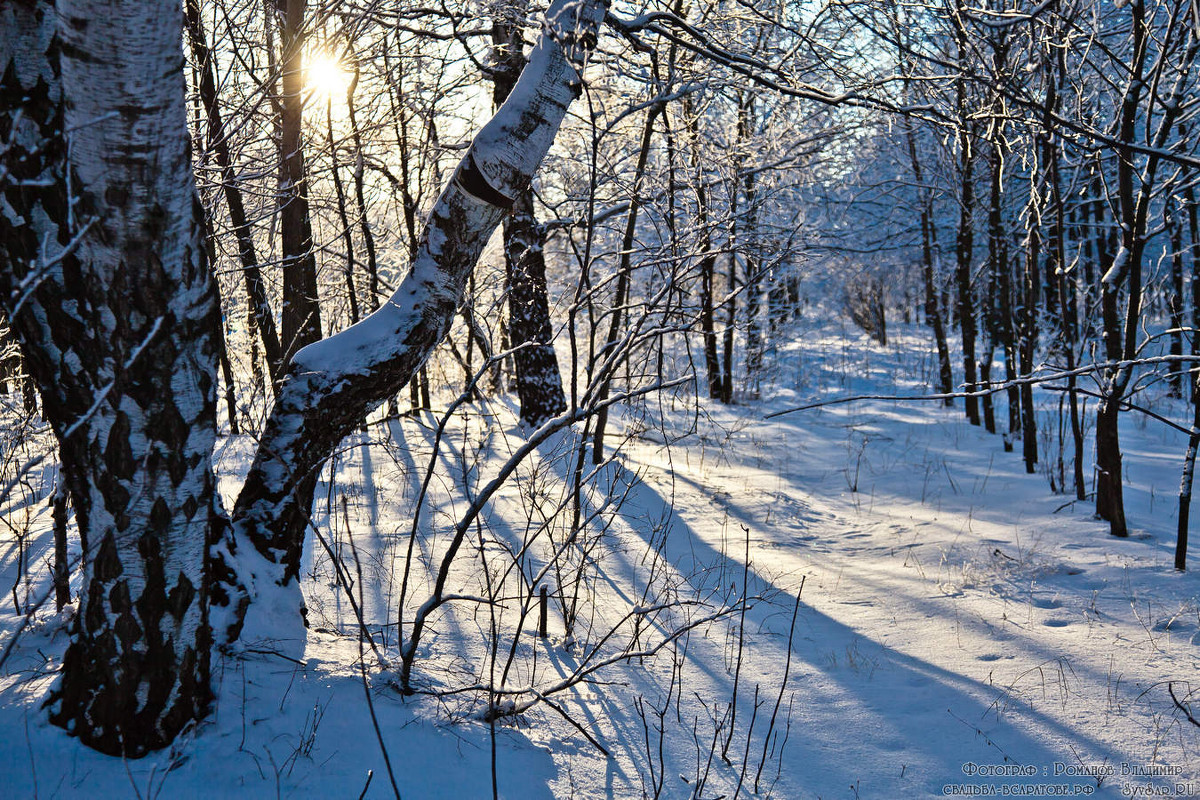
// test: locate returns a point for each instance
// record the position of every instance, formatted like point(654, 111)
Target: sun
point(325, 76)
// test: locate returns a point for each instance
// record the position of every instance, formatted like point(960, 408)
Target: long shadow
point(948, 719)
point(374, 592)
point(817, 553)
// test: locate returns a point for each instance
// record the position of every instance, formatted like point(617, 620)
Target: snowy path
point(954, 613)
point(949, 615)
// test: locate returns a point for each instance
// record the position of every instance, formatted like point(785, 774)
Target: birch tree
point(106, 282)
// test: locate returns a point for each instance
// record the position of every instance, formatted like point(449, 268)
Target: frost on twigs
point(333, 384)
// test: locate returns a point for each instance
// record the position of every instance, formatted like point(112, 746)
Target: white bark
point(120, 336)
point(333, 384)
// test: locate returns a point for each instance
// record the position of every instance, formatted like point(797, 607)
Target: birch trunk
point(122, 333)
point(333, 384)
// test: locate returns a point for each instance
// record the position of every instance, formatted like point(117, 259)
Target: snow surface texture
point(956, 617)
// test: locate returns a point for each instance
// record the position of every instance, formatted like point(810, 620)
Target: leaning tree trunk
point(538, 379)
point(609, 360)
point(332, 385)
point(121, 335)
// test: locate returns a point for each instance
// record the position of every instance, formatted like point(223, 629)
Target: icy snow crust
point(959, 624)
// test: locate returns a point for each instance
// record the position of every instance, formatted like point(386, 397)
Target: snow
point(958, 623)
point(1112, 276)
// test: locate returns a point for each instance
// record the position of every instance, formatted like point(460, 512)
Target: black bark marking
point(179, 599)
point(107, 565)
point(118, 454)
point(160, 516)
point(472, 181)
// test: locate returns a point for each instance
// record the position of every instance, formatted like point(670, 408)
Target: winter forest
point(663, 399)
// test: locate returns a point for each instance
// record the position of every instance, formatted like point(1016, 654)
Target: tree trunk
point(364, 224)
point(1174, 226)
point(731, 284)
point(126, 307)
point(751, 250)
point(1001, 269)
point(1056, 268)
point(332, 385)
point(1193, 214)
point(966, 303)
point(609, 360)
point(933, 315)
point(965, 244)
point(62, 569)
point(731, 278)
point(1189, 462)
point(343, 215)
point(1110, 503)
point(1029, 336)
point(708, 259)
point(210, 251)
point(1126, 270)
point(260, 308)
point(1185, 491)
point(301, 318)
point(538, 379)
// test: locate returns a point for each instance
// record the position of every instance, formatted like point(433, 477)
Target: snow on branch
point(333, 384)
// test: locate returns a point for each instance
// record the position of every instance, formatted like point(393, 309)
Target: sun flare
point(326, 77)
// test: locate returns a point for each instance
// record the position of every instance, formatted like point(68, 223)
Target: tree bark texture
point(118, 315)
point(538, 379)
